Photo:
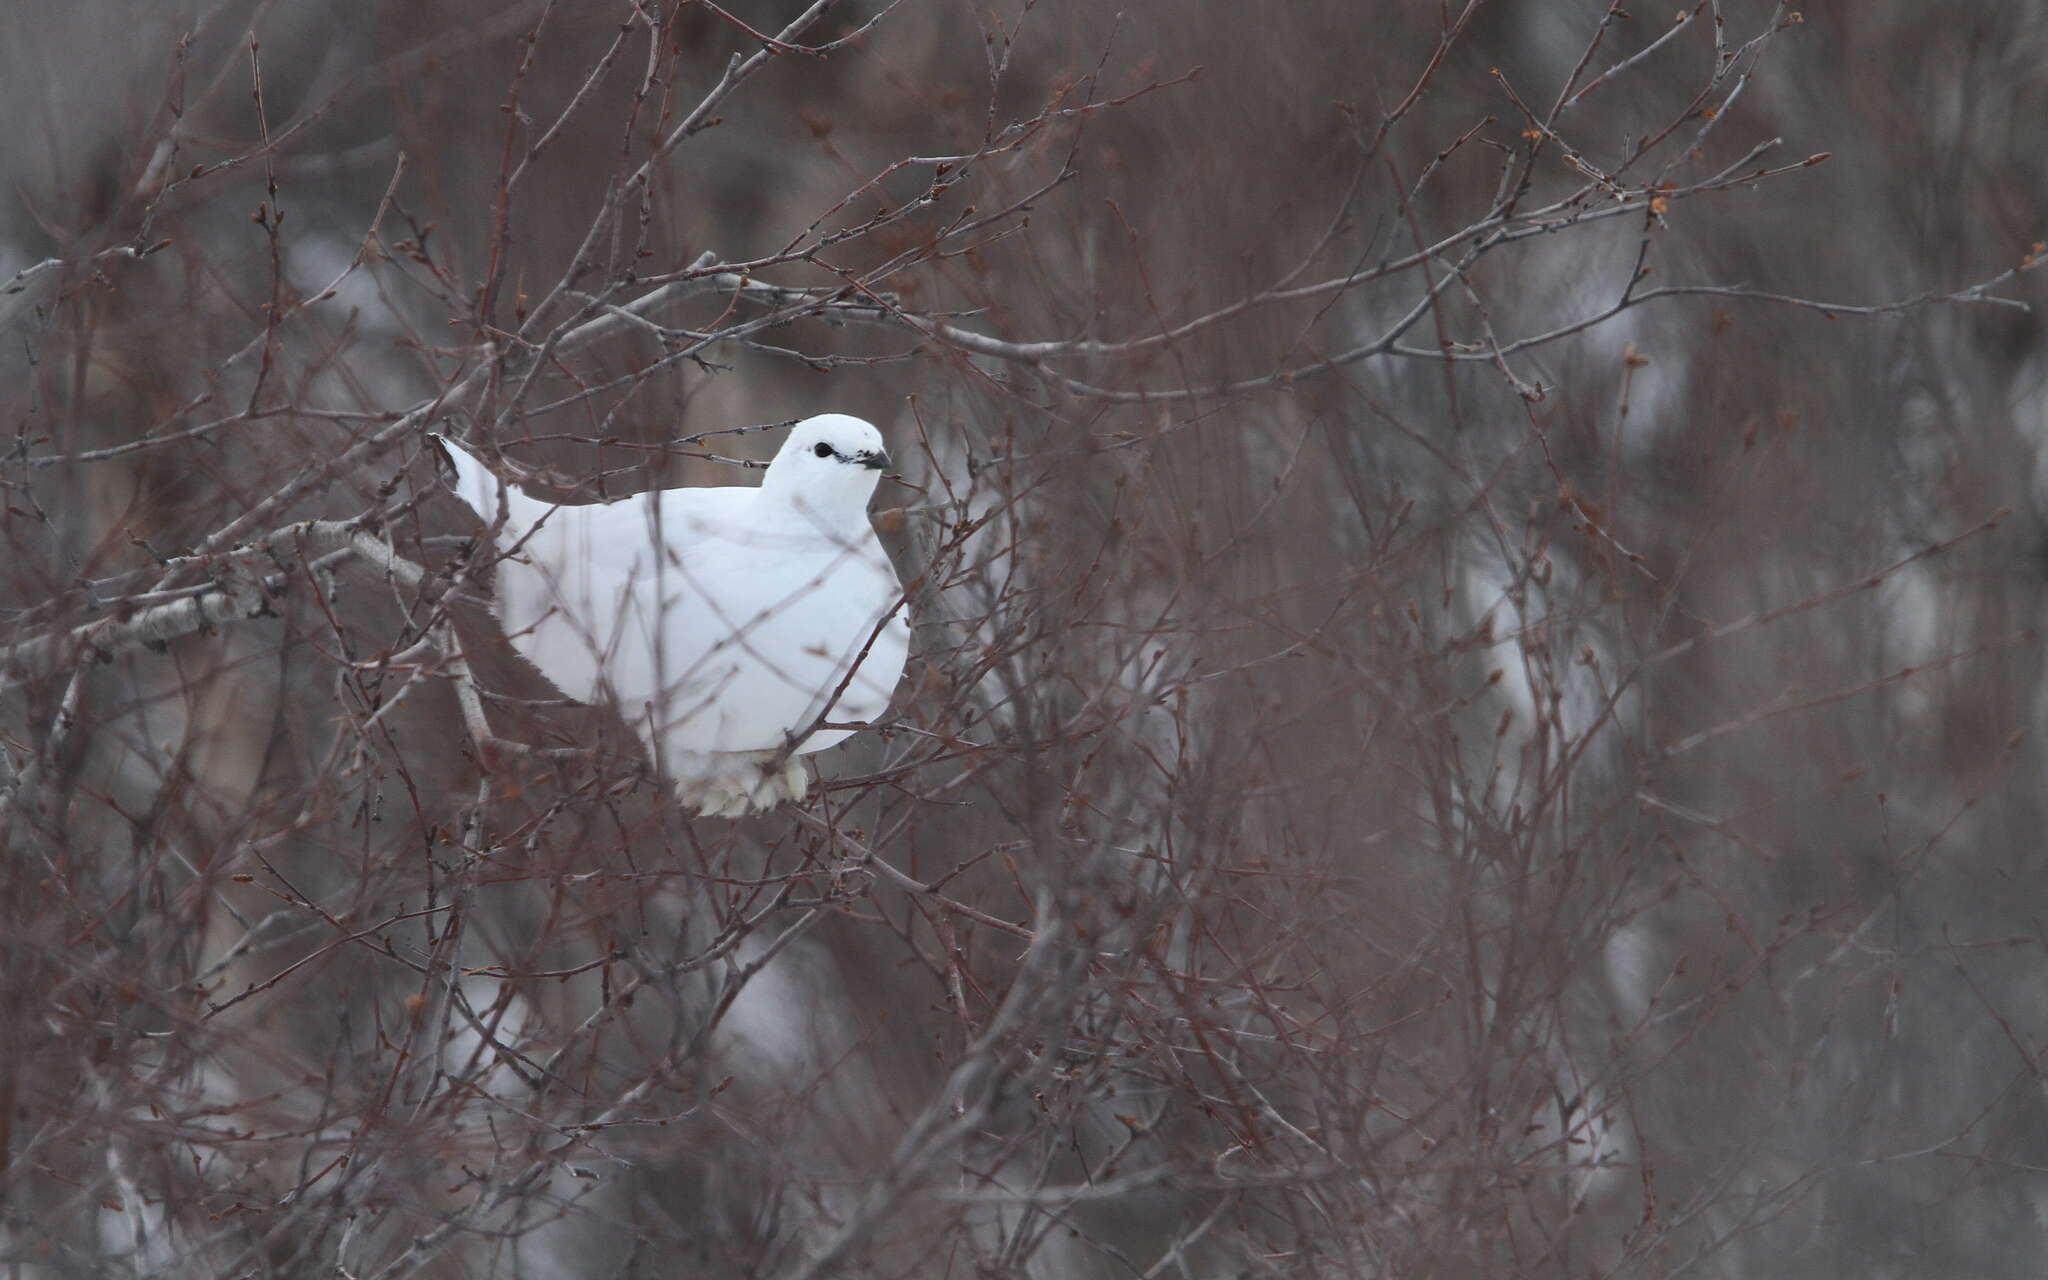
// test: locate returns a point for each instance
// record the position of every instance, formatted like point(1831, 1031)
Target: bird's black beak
point(876, 461)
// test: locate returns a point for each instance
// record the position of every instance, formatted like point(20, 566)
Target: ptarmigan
point(723, 622)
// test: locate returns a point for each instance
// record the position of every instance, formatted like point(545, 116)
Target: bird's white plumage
point(723, 620)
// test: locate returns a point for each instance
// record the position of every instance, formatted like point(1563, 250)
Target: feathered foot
point(732, 785)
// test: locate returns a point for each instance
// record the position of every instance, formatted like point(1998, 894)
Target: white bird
point(723, 622)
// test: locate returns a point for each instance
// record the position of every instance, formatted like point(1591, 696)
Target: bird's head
point(829, 463)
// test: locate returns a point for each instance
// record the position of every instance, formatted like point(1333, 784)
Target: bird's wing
point(568, 596)
point(712, 633)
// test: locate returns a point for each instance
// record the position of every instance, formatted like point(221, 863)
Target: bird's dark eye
point(822, 449)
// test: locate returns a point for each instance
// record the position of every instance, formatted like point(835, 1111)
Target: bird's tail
point(481, 488)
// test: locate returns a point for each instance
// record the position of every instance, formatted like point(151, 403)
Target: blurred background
point(1476, 691)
